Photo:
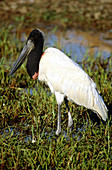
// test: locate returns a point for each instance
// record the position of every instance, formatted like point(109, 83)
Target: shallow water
point(79, 43)
point(76, 44)
point(15, 131)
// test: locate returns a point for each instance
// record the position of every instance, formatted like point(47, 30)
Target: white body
point(66, 78)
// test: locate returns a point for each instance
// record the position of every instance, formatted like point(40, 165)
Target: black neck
point(33, 60)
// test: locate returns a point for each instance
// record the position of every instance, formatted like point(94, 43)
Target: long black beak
point(24, 53)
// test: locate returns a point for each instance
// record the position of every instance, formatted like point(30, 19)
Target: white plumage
point(65, 78)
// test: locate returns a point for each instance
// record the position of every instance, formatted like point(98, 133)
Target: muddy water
point(76, 44)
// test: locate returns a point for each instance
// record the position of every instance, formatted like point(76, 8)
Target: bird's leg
point(70, 120)
point(59, 120)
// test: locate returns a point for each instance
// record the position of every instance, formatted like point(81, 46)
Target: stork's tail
point(100, 107)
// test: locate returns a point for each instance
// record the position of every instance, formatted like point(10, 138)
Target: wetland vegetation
point(28, 112)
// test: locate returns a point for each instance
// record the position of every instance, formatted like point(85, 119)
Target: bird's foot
point(58, 131)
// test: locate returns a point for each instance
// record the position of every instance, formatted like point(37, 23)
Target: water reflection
point(16, 132)
point(78, 43)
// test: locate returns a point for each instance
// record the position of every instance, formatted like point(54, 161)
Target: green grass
point(25, 116)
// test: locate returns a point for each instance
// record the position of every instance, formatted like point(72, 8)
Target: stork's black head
point(33, 49)
point(36, 36)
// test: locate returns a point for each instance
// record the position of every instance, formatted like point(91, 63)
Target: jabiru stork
point(65, 78)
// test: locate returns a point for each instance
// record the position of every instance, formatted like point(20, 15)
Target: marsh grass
point(28, 116)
